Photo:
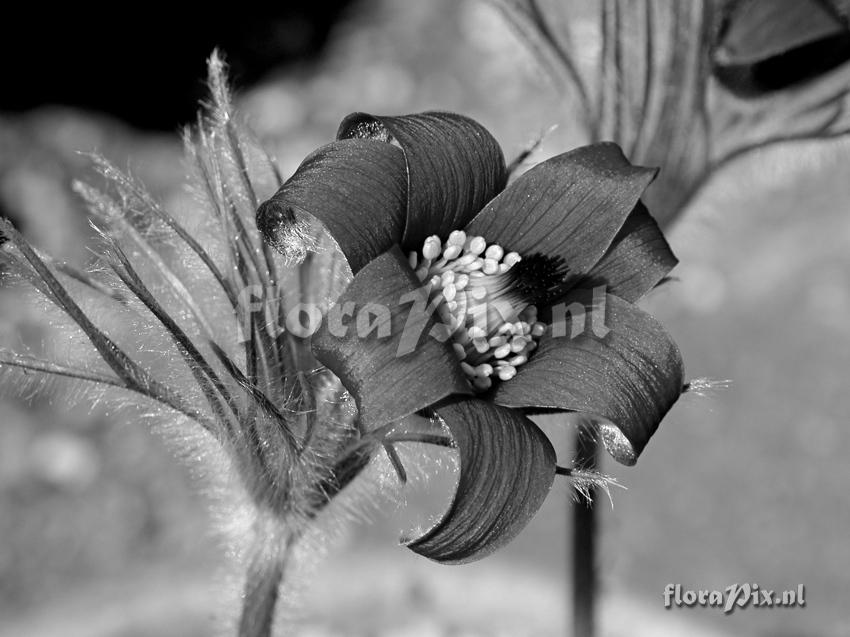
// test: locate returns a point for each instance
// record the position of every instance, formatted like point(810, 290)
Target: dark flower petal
point(570, 206)
point(454, 167)
point(630, 377)
point(356, 188)
point(397, 368)
point(507, 466)
point(755, 30)
point(637, 260)
point(765, 46)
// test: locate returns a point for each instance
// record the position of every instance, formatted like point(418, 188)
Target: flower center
point(487, 300)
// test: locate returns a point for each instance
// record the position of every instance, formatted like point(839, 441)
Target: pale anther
point(493, 327)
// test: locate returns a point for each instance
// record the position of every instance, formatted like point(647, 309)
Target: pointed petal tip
point(361, 125)
point(271, 218)
point(617, 445)
point(611, 156)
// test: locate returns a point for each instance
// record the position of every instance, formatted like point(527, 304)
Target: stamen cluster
point(492, 323)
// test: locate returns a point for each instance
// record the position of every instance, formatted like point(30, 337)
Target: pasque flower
point(499, 281)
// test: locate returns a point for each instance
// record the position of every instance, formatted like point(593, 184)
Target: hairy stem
point(266, 570)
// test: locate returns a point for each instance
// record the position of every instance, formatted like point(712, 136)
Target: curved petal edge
point(454, 167)
point(638, 259)
point(356, 188)
point(606, 358)
point(569, 207)
point(507, 467)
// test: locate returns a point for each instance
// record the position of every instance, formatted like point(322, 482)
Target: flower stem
point(266, 570)
point(584, 543)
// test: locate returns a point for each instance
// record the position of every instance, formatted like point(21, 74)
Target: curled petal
point(569, 207)
point(377, 340)
point(356, 188)
point(606, 358)
point(638, 259)
point(454, 167)
point(755, 30)
point(507, 466)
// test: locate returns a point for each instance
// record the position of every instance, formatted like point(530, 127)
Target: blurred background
point(102, 532)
